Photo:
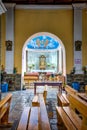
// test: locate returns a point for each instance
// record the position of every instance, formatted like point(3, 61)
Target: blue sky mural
point(43, 42)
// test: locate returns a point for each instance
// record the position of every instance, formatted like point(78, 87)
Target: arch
point(62, 50)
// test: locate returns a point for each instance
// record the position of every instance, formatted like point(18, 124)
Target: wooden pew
point(23, 123)
point(62, 99)
point(81, 105)
point(44, 121)
point(35, 118)
point(35, 101)
point(68, 117)
point(69, 89)
point(4, 110)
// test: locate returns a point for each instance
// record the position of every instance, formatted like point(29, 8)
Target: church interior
point(43, 64)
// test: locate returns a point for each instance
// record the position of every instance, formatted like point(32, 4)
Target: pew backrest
point(62, 99)
point(5, 108)
point(71, 90)
point(81, 106)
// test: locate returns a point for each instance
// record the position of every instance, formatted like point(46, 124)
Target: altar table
point(48, 83)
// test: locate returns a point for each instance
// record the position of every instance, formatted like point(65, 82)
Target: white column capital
point(79, 6)
point(10, 5)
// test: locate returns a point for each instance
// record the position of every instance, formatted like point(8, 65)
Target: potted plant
point(15, 70)
point(30, 67)
point(33, 65)
point(84, 69)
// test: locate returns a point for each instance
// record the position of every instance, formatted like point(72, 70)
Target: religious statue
point(42, 62)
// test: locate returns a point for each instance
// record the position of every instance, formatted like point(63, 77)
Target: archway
point(61, 48)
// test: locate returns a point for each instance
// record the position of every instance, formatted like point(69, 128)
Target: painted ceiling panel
point(43, 42)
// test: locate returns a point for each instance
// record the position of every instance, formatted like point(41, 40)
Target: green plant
point(15, 70)
point(48, 64)
point(84, 69)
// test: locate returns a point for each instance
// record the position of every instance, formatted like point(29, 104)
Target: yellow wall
point(84, 38)
point(29, 22)
point(3, 39)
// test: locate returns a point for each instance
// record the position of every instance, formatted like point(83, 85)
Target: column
point(60, 60)
point(9, 39)
point(2, 10)
point(26, 61)
point(78, 37)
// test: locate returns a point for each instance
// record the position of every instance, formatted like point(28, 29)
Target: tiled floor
point(23, 98)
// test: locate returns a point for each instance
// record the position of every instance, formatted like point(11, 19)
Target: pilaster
point(9, 39)
point(78, 36)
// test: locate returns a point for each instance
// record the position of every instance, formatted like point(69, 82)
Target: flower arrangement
point(53, 66)
point(31, 66)
point(48, 65)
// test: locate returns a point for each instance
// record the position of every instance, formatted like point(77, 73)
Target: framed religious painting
point(8, 45)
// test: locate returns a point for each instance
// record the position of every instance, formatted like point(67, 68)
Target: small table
point(48, 83)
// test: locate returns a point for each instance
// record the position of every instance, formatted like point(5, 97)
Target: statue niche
point(42, 62)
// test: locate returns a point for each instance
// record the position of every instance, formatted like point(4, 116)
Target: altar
point(48, 83)
point(43, 71)
point(43, 77)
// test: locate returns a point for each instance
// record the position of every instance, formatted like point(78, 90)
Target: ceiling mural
point(43, 42)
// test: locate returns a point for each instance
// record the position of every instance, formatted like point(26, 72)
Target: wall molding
point(37, 7)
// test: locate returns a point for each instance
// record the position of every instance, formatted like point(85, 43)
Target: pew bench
point(68, 118)
point(79, 104)
point(35, 118)
point(62, 99)
point(69, 89)
point(35, 101)
point(4, 111)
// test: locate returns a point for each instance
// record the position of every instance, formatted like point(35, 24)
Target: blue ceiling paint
point(43, 42)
